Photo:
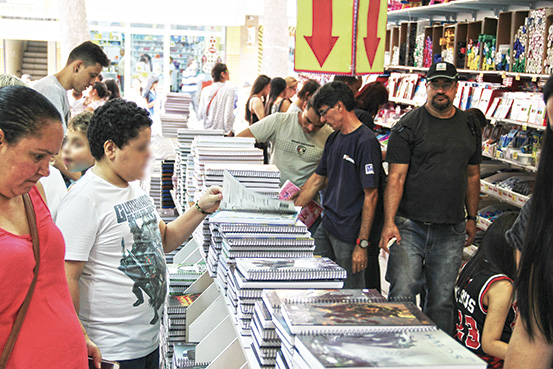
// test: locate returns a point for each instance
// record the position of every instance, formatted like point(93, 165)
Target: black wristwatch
point(363, 243)
point(471, 217)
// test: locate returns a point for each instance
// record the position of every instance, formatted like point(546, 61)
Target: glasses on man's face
point(322, 113)
point(447, 85)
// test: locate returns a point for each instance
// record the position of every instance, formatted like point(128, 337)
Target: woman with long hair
point(149, 94)
point(255, 106)
point(113, 87)
point(484, 295)
point(308, 90)
point(97, 96)
point(531, 344)
point(368, 102)
point(276, 93)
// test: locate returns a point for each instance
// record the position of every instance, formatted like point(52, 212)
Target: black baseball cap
point(442, 70)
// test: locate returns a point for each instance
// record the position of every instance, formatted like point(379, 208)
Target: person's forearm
point(181, 228)
point(473, 195)
point(367, 216)
point(310, 189)
point(392, 198)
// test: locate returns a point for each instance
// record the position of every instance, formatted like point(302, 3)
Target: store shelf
point(512, 162)
point(501, 73)
point(405, 101)
point(483, 223)
point(450, 10)
point(517, 122)
point(503, 194)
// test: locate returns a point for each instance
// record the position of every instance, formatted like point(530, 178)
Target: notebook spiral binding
point(297, 274)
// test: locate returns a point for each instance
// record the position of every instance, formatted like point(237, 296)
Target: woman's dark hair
point(145, 58)
point(371, 97)
point(101, 89)
point(24, 112)
point(117, 120)
point(332, 92)
point(113, 87)
point(479, 115)
point(308, 89)
point(218, 68)
point(277, 86)
point(494, 254)
point(81, 121)
point(258, 85)
point(149, 84)
point(535, 280)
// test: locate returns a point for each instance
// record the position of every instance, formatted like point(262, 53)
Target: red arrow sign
point(321, 40)
point(372, 40)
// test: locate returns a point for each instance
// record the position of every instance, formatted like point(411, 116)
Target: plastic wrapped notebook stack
point(184, 163)
point(175, 115)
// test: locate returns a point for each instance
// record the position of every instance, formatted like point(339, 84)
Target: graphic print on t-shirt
point(143, 262)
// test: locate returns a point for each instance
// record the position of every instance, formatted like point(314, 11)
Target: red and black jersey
point(471, 314)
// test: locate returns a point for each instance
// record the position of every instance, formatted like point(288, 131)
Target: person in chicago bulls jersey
point(484, 295)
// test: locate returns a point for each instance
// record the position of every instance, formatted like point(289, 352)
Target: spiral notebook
point(422, 349)
point(259, 285)
point(296, 228)
point(289, 269)
point(348, 317)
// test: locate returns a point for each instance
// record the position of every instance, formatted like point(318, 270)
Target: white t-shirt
point(51, 88)
point(124, 282)
point(54, 189)
point(294, 152)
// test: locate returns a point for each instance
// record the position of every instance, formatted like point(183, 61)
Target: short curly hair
point(117, 120)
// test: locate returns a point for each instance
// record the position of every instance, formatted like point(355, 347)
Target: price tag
point(504, 75)
point(515, 155)
point(534, 79)
point(525, 127)
point(517, 76)
point(481, 75)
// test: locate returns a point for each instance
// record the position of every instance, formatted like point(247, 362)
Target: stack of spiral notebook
point(184, 162)
point(184, 356)
point(176, 110)
point(268, 311)
point(333, 332)
point(247, 281)
point(217, 150)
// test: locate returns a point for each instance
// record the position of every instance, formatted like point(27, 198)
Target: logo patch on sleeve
point(369, 169)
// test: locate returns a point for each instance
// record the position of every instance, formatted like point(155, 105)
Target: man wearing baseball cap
point(431, 198)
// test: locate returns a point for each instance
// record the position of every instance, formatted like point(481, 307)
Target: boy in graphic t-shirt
point(115, 240)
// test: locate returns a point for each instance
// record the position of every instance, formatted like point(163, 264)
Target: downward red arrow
point(321, 40)
point(372, 40)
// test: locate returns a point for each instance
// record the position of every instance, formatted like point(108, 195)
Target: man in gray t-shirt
point(83, 65)
point(297, 140)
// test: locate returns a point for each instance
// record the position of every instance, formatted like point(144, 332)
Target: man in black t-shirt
point(351, 162)
point(434, 154)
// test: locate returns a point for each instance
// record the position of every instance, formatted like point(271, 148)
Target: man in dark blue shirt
point(352, 164)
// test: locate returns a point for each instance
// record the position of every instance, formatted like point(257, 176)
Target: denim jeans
point(429, 257)
point(150, 361)
point(329, 246)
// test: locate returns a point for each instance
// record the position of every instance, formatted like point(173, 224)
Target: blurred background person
point(308, 89)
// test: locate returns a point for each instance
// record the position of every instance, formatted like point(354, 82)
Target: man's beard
point(441, 106)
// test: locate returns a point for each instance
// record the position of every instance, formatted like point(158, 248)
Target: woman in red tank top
point(51, 336)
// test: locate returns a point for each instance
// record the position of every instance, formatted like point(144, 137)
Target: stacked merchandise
point(259, 178)
point(217, 150)
point(163, 149)
point(251, 276)
point(173, 327)
point(155, 184)
point(184, 164)
point(167, 170)
point(219, 263)
point(263, 329)
point(337, 332)
point(247, 216)
point(176, 112)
